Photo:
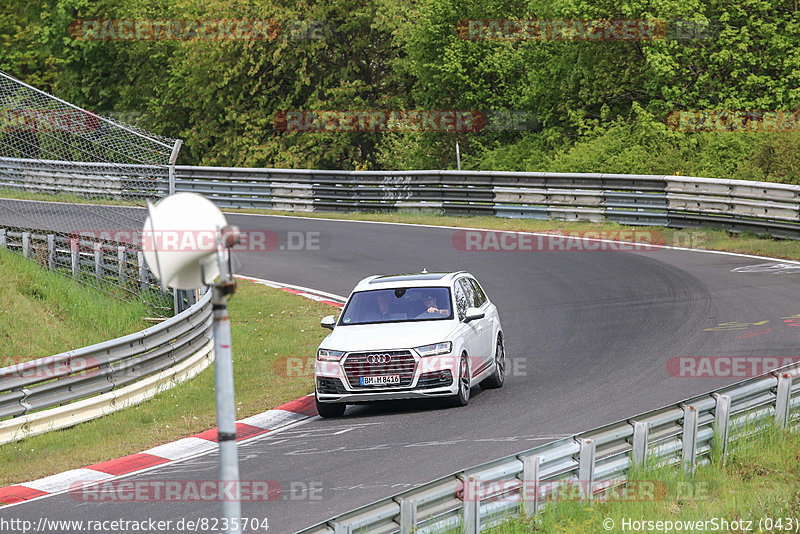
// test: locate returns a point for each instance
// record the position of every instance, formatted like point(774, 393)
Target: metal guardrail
point(682, 435)
point(62, 390)
point(117, 181)
point(672, 201)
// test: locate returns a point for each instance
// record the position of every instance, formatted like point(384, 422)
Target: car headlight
point(435, 349)
point(329, 355)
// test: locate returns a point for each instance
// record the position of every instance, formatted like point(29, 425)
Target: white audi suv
point(410, 336)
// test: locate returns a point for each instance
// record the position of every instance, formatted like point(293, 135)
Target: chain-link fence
point(80, 219)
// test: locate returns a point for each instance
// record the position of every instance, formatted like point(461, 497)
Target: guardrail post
point(641, 435)
point(408, 515)
point(142, 270)
point(530, 485)
point(472, 506)
point(689, 438)
point(74, 253)
point(3, 238)
point(51, 252)
point(783, 399)
point(121, 264)
point(586, 467)
point(26, 244)
point(342, 528)
point(98, 260)
point(722, 421)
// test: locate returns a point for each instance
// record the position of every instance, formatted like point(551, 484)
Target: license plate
point(379, 380)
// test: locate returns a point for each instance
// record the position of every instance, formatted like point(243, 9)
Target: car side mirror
point(473, 314)
point(328, 322)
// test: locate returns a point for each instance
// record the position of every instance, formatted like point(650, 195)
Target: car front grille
point(389, 362)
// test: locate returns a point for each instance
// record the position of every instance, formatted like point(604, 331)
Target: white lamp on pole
point(186, 243)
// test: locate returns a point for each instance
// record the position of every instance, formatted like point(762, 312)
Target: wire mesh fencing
point(73, 185)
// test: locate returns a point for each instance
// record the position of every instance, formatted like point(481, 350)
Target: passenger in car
point(383, 311)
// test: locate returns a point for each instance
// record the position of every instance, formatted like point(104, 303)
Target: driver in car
point(429, 300)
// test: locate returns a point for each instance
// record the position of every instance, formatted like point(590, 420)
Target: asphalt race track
point(588, 336)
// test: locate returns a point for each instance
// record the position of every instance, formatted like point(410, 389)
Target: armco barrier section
point(75, 386)
point(674, 201)
point(594, 462)
point(118, 181)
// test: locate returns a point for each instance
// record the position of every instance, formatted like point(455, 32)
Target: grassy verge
point(761, 479)
point(43, 313)
point(70, 198)
point(267, 326)
point(710, 239)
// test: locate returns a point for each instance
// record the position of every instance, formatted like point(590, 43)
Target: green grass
point(70, 198)
point(44, 313)
point(267, 326)
point(710, 239)
point(761, 478)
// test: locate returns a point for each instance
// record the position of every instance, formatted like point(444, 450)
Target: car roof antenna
point(424, 270)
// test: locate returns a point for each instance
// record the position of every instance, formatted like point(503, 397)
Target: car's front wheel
point(462, 397)
point(499, 375)
point(330, 409)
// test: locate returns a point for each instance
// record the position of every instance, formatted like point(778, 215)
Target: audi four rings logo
point(379, 358)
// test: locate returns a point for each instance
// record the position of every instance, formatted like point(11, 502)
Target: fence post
point(530, 485)
point(26, 244)
point(472, 506)
point(173, 157)
point(722, 421)
point(3, 238)
point(689, 438)
point(142, 271)
point(586, 467)
point(51, 252)
point(121, 264)
point(408, 515)
point(75, 257)
point(98, 261)
point(641, 435)
point(783, 400)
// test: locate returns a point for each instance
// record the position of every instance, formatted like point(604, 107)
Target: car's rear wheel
point(462, 397)
point(330, 409)
point(499, 375)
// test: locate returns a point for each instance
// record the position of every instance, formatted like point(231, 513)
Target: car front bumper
point(381, 395)
point(434, 376)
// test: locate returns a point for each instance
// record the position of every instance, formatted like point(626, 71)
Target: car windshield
point(398, 305)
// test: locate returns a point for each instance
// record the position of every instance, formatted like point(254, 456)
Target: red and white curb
point(249, 427)
point(313, 294)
